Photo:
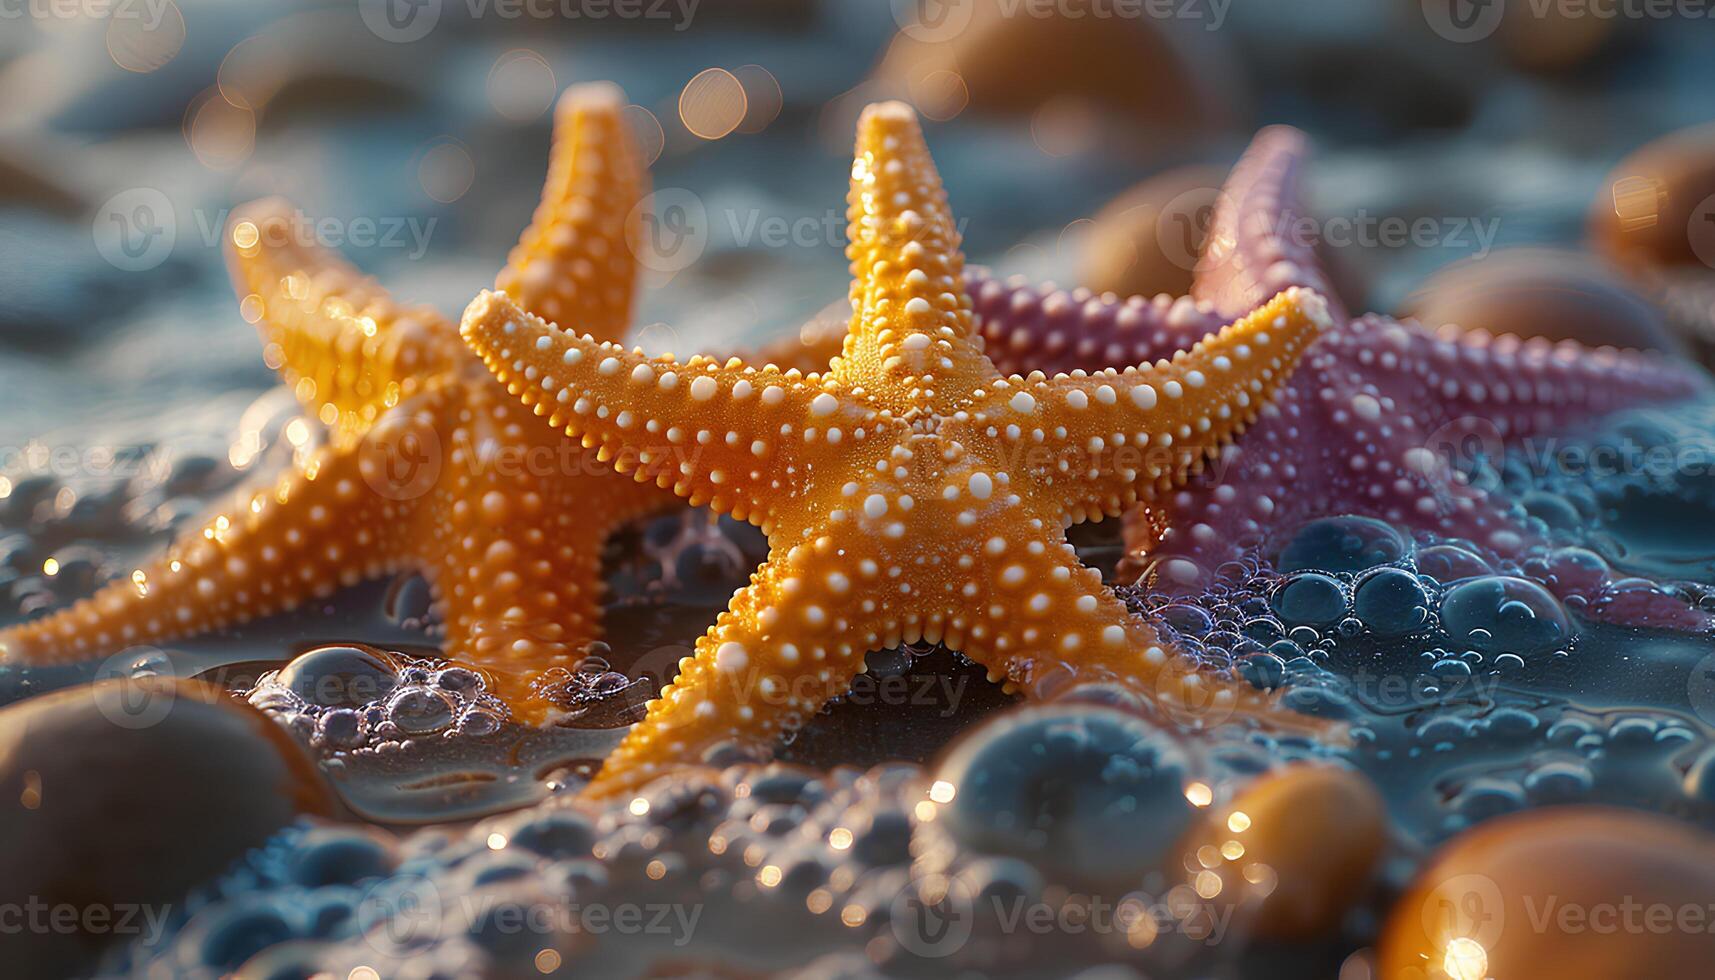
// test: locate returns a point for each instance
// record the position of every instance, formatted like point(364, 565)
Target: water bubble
point(1552, 509)
point(341, 728)
point(1310, 598)
point(1343, 544)
point(1561, 781)
point(420, 710)
point(1093, 793)
point(340, 676)
point(1499, 614)
point(1391, 602)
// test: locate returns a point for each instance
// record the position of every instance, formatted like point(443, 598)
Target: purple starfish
point(1367, 422)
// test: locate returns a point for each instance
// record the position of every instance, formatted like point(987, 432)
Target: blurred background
point(1081, 140)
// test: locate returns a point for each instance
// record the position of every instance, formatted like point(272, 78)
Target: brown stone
point(1295, 850)
point(1573, 893)
point(1542, 293)
point(1657, 207)
point(1146, 240)
point(127, 793)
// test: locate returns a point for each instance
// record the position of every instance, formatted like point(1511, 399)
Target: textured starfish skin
point(1361, 426)
point(430, 466)
point(911, 491)
point(1256, 245)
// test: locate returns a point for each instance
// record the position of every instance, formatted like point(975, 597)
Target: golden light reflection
point(712, 103)
point(31, 797)
point(1638, 201)
point(1207, 883)
point(646, 129)
point(445, 170)
point(547, 961)
point(942, 791)
point(763, 98)
point(297, 432)
point(51, 567)
point(656, 869)
point(246, 236)
point(639, 806)
point(145, 44)
point(940, 95)
point(1239, 822)
point(220, 134)
point(1465, 959)
point(769, 876)
point(496, 841)
point(840, 838)
point(521, 85)
point(1142, 932)
point(1199, 794)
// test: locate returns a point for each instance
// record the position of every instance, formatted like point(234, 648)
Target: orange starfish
point(911, 492)
point(430, 466)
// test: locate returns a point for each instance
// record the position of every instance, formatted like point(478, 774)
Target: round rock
point(131, 791)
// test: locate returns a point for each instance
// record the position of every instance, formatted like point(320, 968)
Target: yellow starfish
point(430, 466)
point(911, 492)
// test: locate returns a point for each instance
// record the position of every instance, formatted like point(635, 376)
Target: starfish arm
point(510, 536)
point(1027, 328)
point(910, 343)
point(574, 263)
point(723, 435)
point(1259, 242)
point(346, 348)
point(1043, 623)
point(1524, 387)
point(319, 528)
point(1105, 439)
point(776, 655)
